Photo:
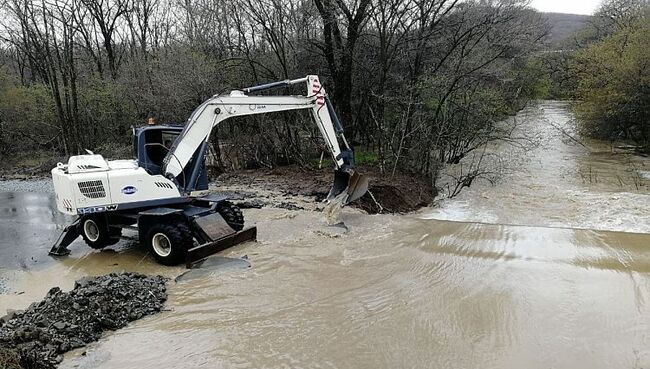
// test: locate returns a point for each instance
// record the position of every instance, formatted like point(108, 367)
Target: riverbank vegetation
point(613, 81)
point(418, 84)
point(604, 68)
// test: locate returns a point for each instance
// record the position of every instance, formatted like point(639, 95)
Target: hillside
point(564, 25)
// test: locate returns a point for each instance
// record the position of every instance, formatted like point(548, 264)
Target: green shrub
point(27, 117)
point(614, 85)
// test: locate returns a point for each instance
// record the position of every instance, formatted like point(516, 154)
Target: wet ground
point(531, 273)
point(28, 222)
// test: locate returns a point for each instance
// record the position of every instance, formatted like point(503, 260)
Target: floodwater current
point(547, 268)
point(547, 175)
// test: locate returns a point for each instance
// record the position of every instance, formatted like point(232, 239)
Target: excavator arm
point(183, 162)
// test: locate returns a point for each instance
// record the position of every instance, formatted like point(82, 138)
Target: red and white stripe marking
point(67, 204)
point(316, 89)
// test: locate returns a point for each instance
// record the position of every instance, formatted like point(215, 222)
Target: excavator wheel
point(231, 214)
point(169, 242)
point(97, 234)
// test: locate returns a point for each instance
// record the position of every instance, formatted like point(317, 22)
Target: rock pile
point(63, 321)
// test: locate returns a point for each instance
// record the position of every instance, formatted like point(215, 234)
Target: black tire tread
point(232, 214)
point(105, 238)
point(114, 235)
point(180, 236)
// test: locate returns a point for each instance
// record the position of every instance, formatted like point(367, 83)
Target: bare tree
point(343, 24)
point(418, 83)
point(105, 15)
point(139, 21)
point(47, 38)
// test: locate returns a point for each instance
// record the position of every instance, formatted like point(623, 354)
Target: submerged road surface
point(532, 279)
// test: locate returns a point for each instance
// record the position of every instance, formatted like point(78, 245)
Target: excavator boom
point(183, 161)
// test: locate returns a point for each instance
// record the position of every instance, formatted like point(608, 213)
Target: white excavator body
point(91, 184)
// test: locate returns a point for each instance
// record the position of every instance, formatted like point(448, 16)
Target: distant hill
point(564, 25)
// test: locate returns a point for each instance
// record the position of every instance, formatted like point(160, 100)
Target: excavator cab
point(152, 143)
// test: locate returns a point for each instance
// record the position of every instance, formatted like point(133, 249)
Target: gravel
point(27, 185)
point(63, 321)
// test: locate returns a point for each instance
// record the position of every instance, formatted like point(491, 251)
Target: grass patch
point(362, 157)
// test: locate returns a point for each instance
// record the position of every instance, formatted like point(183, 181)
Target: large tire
point(169, 243)
point(231, 214)
point(96, 233)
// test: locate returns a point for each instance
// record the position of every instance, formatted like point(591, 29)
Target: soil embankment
point(28, 166)
point(295, 188)
point(62, 321)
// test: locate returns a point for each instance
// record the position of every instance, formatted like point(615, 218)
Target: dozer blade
point(201, 252)
point(220, 236)
point(354, 186)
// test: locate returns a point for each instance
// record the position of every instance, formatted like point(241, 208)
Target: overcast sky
point(566, 6)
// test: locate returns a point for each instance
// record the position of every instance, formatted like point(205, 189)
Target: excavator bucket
point(353, 184)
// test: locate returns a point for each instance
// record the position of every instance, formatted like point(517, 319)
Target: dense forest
point(418, 83)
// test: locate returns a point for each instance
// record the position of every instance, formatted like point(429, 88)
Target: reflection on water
point(407, 292)
point(29, 225)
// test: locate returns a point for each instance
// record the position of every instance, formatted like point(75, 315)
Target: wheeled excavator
point(163, 192)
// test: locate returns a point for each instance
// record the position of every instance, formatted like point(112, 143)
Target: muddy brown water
point(553, 180)
point(533, 278)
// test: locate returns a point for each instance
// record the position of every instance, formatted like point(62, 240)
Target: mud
point(296, 188)
point(287, 187)
point(62, 321)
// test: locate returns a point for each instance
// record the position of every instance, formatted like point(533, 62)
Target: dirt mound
point(62, 321)
point(399, 193)
point(384, 198)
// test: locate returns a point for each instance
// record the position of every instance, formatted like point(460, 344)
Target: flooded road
point(27, 222)
point(518, 275)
